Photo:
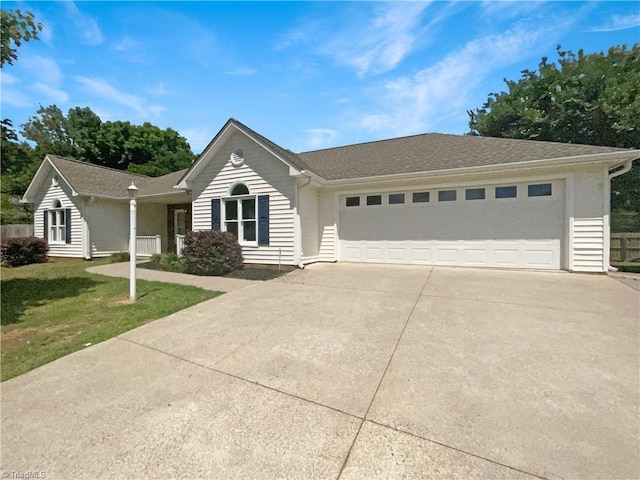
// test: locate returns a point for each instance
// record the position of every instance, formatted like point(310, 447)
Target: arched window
point(56, 223)
point(240, 214)
point(240, 189)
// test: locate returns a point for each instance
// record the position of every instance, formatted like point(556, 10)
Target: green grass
point(631, 267)
point(50, 310)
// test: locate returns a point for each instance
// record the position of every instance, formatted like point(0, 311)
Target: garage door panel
point(522, 232)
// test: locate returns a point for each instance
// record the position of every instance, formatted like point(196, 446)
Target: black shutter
point(45, 217)
point(263, 220)
point(215, 214)
point(67, 225)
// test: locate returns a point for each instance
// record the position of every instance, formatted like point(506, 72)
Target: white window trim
point(240, 220)
point(60, 227)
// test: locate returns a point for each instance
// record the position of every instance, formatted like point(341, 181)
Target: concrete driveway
point(350, 371)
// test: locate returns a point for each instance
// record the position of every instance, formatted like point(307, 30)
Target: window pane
point(60, 217)
point(539, 190)
point(61, 234)
point(374, 199)
point(249, 231)
point(420, 197)
point(232, 227)
point(240, 189)
point(353, 201)
point(53, 218)
point(474, 193)
point(231, 210)
point(249, 208)
point(395, 198)
point(446, 195)
point(53, 234)
point(507, 192)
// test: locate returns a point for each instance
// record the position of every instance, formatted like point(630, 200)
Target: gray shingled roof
point(434, 151)
point(89, 179)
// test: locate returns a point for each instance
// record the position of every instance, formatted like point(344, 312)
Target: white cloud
point(52, 93)
point(320, 138)
point(86, 26)
point(8, 79)
point(104, 89)
point(41, 75)
point(438, 93)
point(619, 22)
point(42, 68)
point(14, 98)
point(242, 72)
point(371, 42)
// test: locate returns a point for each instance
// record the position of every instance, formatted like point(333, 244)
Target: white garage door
point(517, 225)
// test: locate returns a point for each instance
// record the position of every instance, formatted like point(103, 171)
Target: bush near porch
point(211, 252)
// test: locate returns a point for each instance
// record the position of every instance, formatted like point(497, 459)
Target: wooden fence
point(625, 247)
point(16, 230)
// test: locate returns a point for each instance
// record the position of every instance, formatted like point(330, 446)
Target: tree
point(50, 130)
point(590, 99)
point(17, 168)
point(145, 149)
point(16, 27)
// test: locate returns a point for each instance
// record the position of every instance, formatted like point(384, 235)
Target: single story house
point(429, 199)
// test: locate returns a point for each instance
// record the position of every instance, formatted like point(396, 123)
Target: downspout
point(303, 173)
point(625, 168)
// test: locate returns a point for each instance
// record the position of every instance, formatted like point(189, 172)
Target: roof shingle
point(432, 152)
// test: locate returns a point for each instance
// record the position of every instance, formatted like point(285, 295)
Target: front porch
point(162, 228)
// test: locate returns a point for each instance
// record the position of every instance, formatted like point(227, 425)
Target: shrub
point(169, 262)
point(20, 251)
point(119, 257)
point(211, 253)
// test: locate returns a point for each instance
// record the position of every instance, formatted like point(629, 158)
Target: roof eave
point(186, 182)
point(614, 159)
point(36, 182)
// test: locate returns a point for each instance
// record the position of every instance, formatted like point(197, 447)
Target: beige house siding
point(108, 222)
point(264, 174)
point(62, 193)
point(327, 233)
point(589, 231)
point(308, 200)
point(152, 220)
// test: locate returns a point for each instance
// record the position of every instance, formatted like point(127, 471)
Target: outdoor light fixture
point(132, 190)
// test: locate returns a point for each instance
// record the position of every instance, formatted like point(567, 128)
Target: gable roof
point(90, 179)
point(436, 152)
point(286, 156)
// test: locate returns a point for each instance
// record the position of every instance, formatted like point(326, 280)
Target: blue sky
point(307, 75)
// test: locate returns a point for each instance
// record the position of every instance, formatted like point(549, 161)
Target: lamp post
point(132, 190)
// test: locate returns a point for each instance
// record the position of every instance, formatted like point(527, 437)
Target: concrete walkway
point(219, 284)
point(350, 372)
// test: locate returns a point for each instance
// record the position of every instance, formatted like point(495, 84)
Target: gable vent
point(237, 157)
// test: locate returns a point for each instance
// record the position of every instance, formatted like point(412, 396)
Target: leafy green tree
point(16, 27)
point(155, 152)
point(18, 166)
point(51, 131)
point(145, 149)
point(590, 99)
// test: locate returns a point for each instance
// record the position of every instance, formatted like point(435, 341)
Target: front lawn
point(50, 310)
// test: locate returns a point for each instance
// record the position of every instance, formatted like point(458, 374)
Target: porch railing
point(148, 245)
point(179, 244)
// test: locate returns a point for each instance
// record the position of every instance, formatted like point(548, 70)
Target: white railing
point(179, 244)
point(148, 245)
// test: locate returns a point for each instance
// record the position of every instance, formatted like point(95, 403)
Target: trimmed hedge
point(16, 252)
point(211, 252)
